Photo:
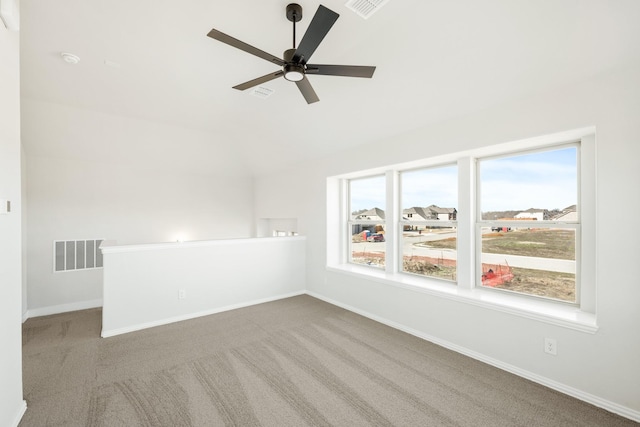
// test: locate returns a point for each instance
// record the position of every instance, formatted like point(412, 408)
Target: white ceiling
point(436, 59)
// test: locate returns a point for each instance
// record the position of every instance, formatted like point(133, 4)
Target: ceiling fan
point(294, 63)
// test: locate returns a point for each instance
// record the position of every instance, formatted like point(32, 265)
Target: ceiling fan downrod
point(294, 14)
point(293, 72)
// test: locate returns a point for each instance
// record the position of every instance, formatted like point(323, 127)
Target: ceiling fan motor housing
point(287, 56)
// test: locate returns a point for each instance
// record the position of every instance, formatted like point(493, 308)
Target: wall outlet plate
point(551, 346)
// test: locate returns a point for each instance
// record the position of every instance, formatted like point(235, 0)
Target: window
point(510, 227)
point(428, 235)
point(367, 201)
point(529, 223)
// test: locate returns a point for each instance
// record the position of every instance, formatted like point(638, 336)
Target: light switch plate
point(5, 206)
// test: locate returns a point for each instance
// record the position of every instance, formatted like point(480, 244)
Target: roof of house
point(373, 212)
point(417, 211)
point(532, 210)
point(439, 210)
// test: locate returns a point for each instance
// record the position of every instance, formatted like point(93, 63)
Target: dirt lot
point(546, 243)
point(560, 286)
point(541, 242)
point(432, 267)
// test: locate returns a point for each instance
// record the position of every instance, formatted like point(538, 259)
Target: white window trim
point(574, 225)
point(582, 318)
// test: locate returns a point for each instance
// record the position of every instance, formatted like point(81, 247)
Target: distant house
point(429, 213)
point(374, 214)
point(443, 214)
point(415, 214)
point(568, 214)
point(534, 214)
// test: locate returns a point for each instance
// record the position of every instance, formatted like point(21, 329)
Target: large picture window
point(510, 226)
point(428, 235)
point(367, 201)
point(529, 223)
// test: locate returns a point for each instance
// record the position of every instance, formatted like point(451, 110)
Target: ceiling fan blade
point(255, 82)
point(224, 38)
point(320, 25)
point(341, 70)
point(307, 91)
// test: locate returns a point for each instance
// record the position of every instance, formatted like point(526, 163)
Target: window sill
point(544, 311)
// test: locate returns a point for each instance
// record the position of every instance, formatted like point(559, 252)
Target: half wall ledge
point(155, 284)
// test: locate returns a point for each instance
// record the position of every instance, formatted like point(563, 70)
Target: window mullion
point(466, 220)
point(391, 221)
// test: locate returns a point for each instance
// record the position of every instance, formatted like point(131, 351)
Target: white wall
point(122, 190)
point(11, 404)
point(602, 367)
point(23, 195)
point(142, 283)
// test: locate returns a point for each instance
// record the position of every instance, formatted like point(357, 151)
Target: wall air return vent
point(72, 255)
point(365, 8)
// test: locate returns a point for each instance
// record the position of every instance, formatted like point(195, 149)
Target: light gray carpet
point(292, 362)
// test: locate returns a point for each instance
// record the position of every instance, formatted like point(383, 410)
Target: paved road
point(547, 264)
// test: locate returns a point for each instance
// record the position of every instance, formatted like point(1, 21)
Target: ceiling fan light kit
point(294, 62)
point(292, 71)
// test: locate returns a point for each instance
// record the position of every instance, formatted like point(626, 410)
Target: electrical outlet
point(551, 346)
point(182, 294)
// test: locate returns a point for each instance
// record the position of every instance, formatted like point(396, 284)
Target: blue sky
point(425, 187)
point(368, 193)
point(545, 180)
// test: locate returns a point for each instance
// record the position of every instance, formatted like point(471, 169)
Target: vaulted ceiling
point(436, 60)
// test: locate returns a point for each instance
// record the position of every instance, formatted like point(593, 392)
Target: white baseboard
point(562, 388)
point(21, 410)
point(140, 326)
point(62, 308)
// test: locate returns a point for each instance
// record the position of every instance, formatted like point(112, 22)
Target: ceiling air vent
point(262, 92)
point(365, 8)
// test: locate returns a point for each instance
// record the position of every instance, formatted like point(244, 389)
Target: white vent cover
point(365, 8)
point(71, 255)
point(262, 92)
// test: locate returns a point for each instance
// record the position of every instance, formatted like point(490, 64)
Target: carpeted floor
point(292, 362)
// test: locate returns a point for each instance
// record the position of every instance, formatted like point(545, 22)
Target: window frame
point(350, 222)
point(427, 223)
point(580, 317)
point(570, 225)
